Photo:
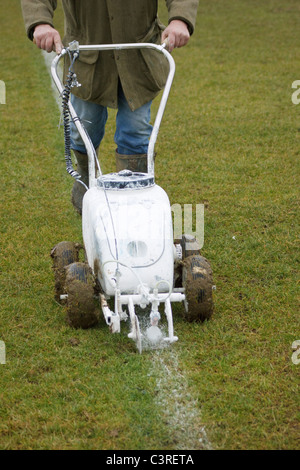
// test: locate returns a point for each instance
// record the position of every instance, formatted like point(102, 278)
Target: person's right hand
point(47, 38)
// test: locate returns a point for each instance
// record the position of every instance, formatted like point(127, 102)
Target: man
point(127, 80)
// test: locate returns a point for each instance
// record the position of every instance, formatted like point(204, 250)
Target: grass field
point(230, 140)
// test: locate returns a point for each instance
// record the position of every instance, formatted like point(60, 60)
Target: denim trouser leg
point(93, 117)
point(133, 129)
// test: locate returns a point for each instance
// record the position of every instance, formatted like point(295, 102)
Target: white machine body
point(128, 234)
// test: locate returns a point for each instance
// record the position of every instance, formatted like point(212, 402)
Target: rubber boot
point(136, 163)
point(78, 189)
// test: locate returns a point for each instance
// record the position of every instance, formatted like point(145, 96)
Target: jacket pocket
point(155, 65)
point(153, 34)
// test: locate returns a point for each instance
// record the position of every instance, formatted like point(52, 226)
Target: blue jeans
point(133, 128)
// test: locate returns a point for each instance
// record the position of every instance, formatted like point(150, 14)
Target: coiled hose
point(66, 118)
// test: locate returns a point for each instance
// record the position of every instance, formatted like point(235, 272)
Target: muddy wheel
point(188, 245)
point(79, 286)
point(63, 254)
point(198, 283)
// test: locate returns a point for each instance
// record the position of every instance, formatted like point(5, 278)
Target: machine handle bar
point(106, 47)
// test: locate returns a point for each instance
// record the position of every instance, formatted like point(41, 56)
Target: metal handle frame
point(82, 131)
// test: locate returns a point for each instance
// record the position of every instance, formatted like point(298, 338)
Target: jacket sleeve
point(37, 12)
point(184, 10)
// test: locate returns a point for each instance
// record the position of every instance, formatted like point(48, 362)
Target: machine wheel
point(82, 311)
point(198, 283)
point(189, 246)
point(63, 254)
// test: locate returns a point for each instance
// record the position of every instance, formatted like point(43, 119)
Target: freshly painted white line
point(48, 58)
point(180, 411)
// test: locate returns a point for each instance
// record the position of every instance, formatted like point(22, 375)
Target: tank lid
point(125, 179)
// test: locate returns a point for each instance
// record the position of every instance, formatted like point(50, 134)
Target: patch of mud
point(74, 341)
point(198, 283)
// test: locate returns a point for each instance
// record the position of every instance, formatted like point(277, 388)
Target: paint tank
point(127, 233)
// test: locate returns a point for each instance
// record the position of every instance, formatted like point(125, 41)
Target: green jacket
point(142, 72)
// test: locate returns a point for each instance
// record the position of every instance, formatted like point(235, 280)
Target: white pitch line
point(48, 58)
point(179, 409)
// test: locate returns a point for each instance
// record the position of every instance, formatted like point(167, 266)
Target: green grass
point(230, 140)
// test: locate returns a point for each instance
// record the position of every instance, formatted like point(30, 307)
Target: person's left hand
point(177, 33)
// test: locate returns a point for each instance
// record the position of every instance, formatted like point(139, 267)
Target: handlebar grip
point(165, 43)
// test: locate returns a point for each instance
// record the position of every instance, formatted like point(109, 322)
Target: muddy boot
point(78, 189)
point(137, 163)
